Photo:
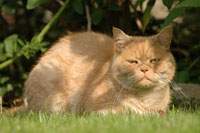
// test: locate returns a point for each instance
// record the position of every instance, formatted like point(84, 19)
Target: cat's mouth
point(145, 81)
point(145, 78)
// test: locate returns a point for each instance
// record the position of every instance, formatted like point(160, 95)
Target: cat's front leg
point(134, 106)
point(107, 111)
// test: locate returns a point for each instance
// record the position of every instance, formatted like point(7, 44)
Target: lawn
point(174, 122)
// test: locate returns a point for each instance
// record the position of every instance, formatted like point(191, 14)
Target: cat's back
point(81, 53)
point(88, 45)
point(78, 55)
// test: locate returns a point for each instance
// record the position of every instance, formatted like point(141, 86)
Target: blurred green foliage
point(24, 23)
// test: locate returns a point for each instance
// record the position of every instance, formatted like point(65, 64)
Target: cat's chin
point(144, 81)
point(144, 84)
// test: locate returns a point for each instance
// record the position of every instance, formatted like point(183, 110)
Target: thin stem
point(40, 36)
point(1, 105)
point(6, 63)
point(60, 2)
point(89, 23)
point(193, 63)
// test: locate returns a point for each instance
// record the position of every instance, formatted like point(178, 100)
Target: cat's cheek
point(119, 70)
point(171, 73)
point(166, 71)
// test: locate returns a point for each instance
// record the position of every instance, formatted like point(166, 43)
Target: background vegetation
point(28, 28)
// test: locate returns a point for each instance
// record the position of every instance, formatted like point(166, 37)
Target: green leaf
point(2, 53)
point(1, 47)
point(189, 3)
point(1, 2)
point(8, 9)
point(10, 45)
point(31, 4)
point(146, 18)
point(5, 89)
point(78, 6)
point(172, 15)
point(3, 80)
point(97, 16)
point(147, 14)
point(168, 3)
point(179, 10)
point(2, 57)
point(31, 48)
point(21, 43)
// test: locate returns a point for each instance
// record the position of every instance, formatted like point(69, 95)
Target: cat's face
point(143, 62)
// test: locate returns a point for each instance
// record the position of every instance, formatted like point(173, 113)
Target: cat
point(91, 72)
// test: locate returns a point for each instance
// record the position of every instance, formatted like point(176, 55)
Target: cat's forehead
point(143, 46)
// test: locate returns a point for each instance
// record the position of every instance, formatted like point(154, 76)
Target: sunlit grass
point(174, 122)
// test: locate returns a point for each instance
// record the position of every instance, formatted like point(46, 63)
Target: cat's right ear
point(165, 36)
point(120, 39)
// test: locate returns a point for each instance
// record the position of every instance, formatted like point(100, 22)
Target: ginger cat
point(92, 72)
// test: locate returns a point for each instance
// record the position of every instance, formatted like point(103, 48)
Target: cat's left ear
point(120, 39)
point(165, 36)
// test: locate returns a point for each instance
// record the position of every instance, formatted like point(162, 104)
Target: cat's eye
point(154, 60)
point(132, 61)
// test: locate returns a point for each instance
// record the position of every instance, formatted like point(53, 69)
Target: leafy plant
point(179, 9)
point(31, 4)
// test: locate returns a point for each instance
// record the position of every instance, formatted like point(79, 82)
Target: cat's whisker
point(162, 78)
point(178, 89)
point(173, 85)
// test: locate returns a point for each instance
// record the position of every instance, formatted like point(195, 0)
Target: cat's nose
point(144, 70)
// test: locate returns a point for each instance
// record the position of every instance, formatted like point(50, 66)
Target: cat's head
point(143, 62)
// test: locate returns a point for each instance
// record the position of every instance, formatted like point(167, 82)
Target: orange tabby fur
point(92, 72)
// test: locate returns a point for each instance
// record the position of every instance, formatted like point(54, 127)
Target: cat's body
point(89, 72)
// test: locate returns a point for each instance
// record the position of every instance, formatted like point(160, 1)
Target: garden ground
point(176, 121)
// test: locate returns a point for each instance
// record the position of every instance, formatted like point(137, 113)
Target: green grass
point(174, 122)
